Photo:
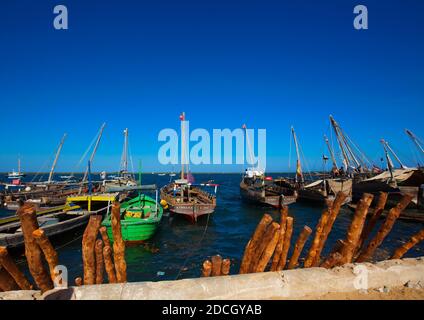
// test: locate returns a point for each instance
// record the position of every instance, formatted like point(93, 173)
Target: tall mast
point(333, 159)
point(414, 139)
point(124, 161)
point(182, 118)
point(19, 165)
point(56, 158)
point(299, 174)
point(94, 150)
point(390, 165)
point(339, 140)
point(386, 144)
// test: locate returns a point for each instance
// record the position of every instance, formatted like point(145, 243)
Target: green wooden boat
point(140, 218)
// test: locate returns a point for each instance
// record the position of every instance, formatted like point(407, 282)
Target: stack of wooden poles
point(270, 244)
point(39, 252)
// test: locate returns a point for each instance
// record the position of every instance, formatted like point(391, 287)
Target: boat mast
point(94, 150)
point(415, 139)
point(124, 161)
point(182, 118)
point(333, 159)
point(339, 140)
point(299, 174)
point(390, 165)
point(19, 165)
point(386, 144)
point(56, 158)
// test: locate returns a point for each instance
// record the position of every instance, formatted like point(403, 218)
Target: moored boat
point(140, 218)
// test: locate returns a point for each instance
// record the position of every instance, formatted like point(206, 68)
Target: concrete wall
point(290, 284)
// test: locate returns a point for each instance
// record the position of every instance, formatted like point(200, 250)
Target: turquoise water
point(179, 248)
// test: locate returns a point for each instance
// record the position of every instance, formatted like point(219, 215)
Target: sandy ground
point(399, 293)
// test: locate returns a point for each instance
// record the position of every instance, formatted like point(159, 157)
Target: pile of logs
point(42, 258)
point(270, 243)
point(216, 267)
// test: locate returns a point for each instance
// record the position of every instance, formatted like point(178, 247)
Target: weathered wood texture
point(300, 243)
point(286, 246)
point(88, 251)
point(259, 253)
point(225, 267)
point(355, 229)
point(317, 238)
point(7, 283)
point(415, 239)
point(33, 253)
point(99, 261)
point(118, 244)
point(109, 265)
point(206, 268)
point(281, 236)
point(269, 248)
point(216, 266)
point(252, 245)
point(12, 269)
point(385, 229)
point(50, 253)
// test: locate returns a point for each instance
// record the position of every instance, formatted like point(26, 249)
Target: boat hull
point(257, 197)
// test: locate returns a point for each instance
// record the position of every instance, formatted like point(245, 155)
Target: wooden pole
point(286, 247)
point(206, 268)
point(225, 267)
point(280, 243)
point(7, 283)
point(333, 213)
point(33, 252)
point(300, 243)
point(332, 260)
point(378, 210)
point(264, 242)
point(12, 269)
point(99, 261)
point(88, 244)
point(216, 266)
point(415, 239)
point(316, 241)
point(118, 244)
point(385, 229)
point(78, 281)
point(355, 229)
point(49, 252)
point(109, 266)
point(105, 237)
point(269, 250)
point(253, 243)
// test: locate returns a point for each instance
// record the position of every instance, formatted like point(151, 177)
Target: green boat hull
point(136, 229)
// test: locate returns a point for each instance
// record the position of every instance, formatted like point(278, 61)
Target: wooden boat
point(323, 190)
point(72, 217)
point(413, 215)
point(256, 188)
point(16, 175)
point(182, 196)
point(140, 218)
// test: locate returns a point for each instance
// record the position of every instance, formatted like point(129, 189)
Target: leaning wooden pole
point(378, 210)
point(49, 252)
point(268, 250)
point(385, 229)
point(280, 243)
point(253, 243)
point(316, 241)
point(334, 212)
point(88, 253)
point(300, 243)
point(105, 237)
point(33, 253)
point(286, 247)
point(259, 253)
point(415, 239)
point(7, 283)
point(9, 266)
point(355, 229)
point(118, 244)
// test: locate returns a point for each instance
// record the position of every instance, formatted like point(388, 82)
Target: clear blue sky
point(269, 64)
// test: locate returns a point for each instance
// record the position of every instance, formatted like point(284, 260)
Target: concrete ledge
point(290, 284)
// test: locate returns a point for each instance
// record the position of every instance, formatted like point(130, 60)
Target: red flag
point(16, 182)
point(182, 116)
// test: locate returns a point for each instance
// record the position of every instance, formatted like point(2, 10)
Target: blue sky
point(269, 64)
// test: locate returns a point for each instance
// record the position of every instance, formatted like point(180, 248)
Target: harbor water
point(179, 247)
